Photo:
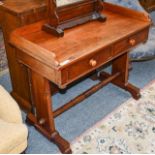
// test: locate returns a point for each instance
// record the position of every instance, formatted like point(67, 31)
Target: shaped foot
point(63, 145)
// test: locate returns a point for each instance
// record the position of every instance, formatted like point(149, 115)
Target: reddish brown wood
point(81, 51)
point(84, 95)
point(14, 14)
point(64, 17)
point(122, 80)
point(149, 5)
point(44, 122)
point(41, 94)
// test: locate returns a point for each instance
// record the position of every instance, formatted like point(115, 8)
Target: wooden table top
point(81, 40)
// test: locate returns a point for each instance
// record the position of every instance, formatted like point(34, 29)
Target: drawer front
point(121, 46)
point(138, 38)
point(129, 42)
point(91, 62)
point(88, 64)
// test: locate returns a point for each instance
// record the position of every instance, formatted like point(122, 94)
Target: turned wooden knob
point(132, 42)
point(42, 121)
point(93, 62)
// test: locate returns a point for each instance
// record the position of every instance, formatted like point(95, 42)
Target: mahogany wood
point(14, 14)
point(149, 5)
point(41, 93)
point(122, 80)
point(81, 51)
point(84, 95)
point(67, 16)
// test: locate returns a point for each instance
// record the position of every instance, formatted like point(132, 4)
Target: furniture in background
point(145, 51)
point(13, 133)
point(149, 5)
point(81, 51)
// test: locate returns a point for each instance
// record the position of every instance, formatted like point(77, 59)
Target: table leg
point(121, 65)
point(43, 118)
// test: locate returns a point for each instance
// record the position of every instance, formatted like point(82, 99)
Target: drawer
point(138, 38)
point(121, 46)
point(130, 42)
point(88, 64)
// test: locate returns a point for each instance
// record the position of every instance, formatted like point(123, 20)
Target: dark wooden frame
point(67, 16)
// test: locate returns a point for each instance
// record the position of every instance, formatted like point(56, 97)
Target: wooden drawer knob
point(132, 42)
point(93, 62)
point(42, 121)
